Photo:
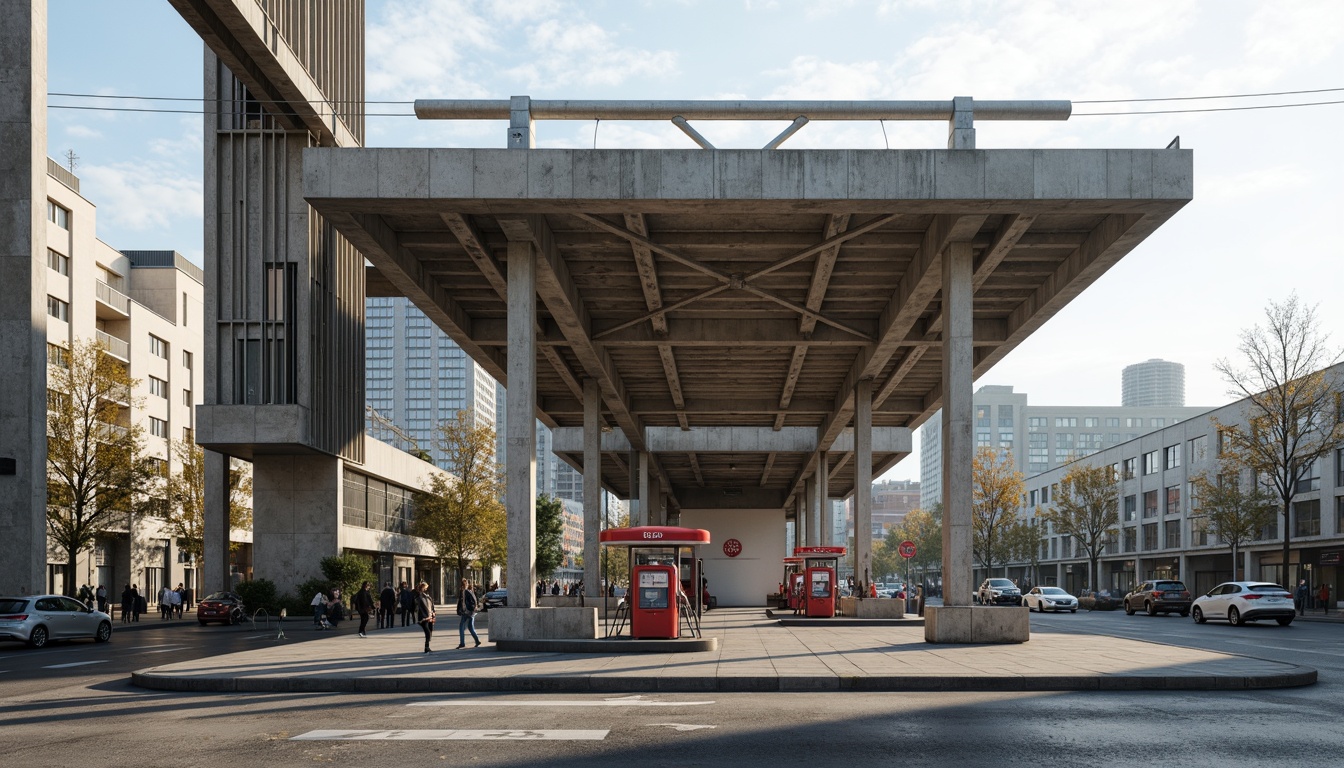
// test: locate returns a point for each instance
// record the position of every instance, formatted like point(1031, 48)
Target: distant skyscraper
point(417, 378)
point(1153, 384)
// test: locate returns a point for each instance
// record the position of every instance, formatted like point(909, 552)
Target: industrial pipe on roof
point(498, 109)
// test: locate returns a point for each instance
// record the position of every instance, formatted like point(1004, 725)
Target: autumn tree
point(1231, 511)
point(926, 532)
point(1291, 403)
point(186, 499)
point(996, 490)
point(1087, 508)
point(1024, 546)
point(463, 514)
point(97, 470)
point(550, 535)
point(616, 560)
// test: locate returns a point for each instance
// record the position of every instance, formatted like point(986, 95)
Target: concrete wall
point(746, 579)
point(296, 516)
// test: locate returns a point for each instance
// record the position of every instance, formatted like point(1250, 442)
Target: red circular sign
point(907, 549)
point(732, 547)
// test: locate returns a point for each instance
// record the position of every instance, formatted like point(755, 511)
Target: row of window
point(1066, 422)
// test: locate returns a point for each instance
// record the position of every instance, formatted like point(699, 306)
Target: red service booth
point(661, 559)
point(791, 588)
point(820, 589)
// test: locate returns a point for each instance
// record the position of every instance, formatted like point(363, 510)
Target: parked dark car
point(1159, 596)
point(998, 592)
point(223, 607)
point(39, 619)
point(494, 599)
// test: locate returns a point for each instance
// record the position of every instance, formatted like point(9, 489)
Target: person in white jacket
point(319, 604)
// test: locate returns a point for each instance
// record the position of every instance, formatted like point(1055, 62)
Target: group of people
point(415, 606)
point(1303, 595)
point(554, 587)
point(172, 602)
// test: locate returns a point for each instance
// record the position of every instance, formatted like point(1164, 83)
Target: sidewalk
point(755, 654)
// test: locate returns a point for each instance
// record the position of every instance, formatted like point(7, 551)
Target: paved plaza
point(755, 653)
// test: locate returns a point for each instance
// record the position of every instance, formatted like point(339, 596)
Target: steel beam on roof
point(572, 109)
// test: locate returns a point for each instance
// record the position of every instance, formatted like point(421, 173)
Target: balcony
point(112, 304)
point(118, 348)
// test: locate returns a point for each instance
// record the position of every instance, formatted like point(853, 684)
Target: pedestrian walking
point(467, 604)
point(387, 606)
point(141, 603)
point(165, 603)
point(101, 597)
point(180, 600)
point(407, 599)
point(364, 604)
point(174, 604)
point(127, 604)
point(424, 612)
point(1302, 595)
point(1323, 595)
point(86, 596)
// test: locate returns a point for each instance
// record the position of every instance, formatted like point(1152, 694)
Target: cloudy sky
point(1263, 177)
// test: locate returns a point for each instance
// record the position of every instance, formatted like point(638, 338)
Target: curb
point(1299, 676)
point(613, 646)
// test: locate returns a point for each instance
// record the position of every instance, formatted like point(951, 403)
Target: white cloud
point(144, 195)
point(83, 132)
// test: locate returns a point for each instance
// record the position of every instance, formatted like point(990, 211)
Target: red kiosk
point(656, 604)
point(820, 589)
point(791, 588)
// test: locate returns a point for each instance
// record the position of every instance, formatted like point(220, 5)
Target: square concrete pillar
point(863, 484)
point(802, 527)
point(826, 527)
point(592, 486)
point(520, 497)
point(958, 447)
point(215, 525)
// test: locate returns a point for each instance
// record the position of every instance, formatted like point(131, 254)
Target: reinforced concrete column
point(816, 534)
point(657, 512)
point(296, 518)
point(520, 497)
point(23, 295)
point(592, 486)
point(803, 526)
point(215, 525)
point(632, 461)
point(863, 484)
point(646, 499)
point(958, 448)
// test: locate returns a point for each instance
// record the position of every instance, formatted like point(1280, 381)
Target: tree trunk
point(1288, 579)
point(1234, 562)
point(69, 589)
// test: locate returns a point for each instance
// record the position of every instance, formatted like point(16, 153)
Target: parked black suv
point(1159, 596)
point(998, 592)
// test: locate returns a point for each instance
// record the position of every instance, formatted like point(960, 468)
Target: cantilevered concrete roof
point(742, 289)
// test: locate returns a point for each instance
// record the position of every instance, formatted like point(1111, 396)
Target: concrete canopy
point(742, 288)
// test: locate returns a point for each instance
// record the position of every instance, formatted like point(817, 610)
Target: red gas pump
point(790, 588)
point(819, 579)
point(653, 614)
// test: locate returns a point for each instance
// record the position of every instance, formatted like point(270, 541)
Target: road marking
point(75, 664)
point(624, 701)
point(166, 650)
point(1283, 648)
point(681, 726)
point(452, 735)
point(165, 645)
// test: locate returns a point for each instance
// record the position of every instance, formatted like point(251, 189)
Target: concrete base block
point(543, 624)
point(847, 606)
point(878, 608)
point(976, 624)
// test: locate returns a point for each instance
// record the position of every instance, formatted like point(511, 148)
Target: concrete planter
point(976, 624)
point(543, 624)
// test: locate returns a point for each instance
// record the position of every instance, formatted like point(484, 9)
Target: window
point(1131, 539)
point(1045, 495)
point(158, 347)
point(184, 310)
point(57, 401)
point(1174, 500)
point(1131, 507)
point(1339, 513)
point(1171, 457)
point(59, 263)
point(1112, 421)
point(1150, 463)
point(1339, 471)
point(58, 356)
point(160, 467)
point(58, 309)
point(188, 436)
point(1199, 449)
point(1036, 422)
point(1149, 537)
point(1066, 421)
point(58, 215)
point(1127, 468)
point(1307, 518)
point(1310, 480)
point(186, 360)
point(1031, 499)
point(1091, 421)
point(1005, 415)
point(1199, 531)
point(982, 416)
point(1150, 503)
point(158, 427)
point(158, 387)
point(1173, 534)
point(1157, 422)
point(186, 397)
point(1133, 422)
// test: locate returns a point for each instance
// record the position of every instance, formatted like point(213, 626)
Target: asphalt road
point(90, 716)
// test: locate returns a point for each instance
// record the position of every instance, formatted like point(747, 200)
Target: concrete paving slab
point(754, 653)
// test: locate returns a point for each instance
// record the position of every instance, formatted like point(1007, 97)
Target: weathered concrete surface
point(976, 624)
point(543, 623)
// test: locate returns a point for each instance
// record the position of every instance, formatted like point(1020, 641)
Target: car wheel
point(1150, 608)
point(1233, 616)
point(1074, 610)
point(1285, 621)
point(1129, 610)
point(39, 637)
point(104, 632)
point(1199, 616)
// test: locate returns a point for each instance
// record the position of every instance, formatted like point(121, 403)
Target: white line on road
point(681, 726)
point(624, 701)
point(75, 664)
point(163, 645)
point(452, 735)
point(166, 650)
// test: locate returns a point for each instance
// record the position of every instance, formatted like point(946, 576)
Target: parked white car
point(1242, 601)
point(1050, 599)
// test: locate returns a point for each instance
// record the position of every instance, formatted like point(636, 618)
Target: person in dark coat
point(387, 607)
point(467, 605)
point(364, 604)
point(424, 612)
point(407, 604)
point(1302, 595)
point(127, 604)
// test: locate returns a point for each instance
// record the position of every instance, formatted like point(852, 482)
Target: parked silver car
point(39, 619)
point(1050, 599)
point(1242, 601)
point(998, 592)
